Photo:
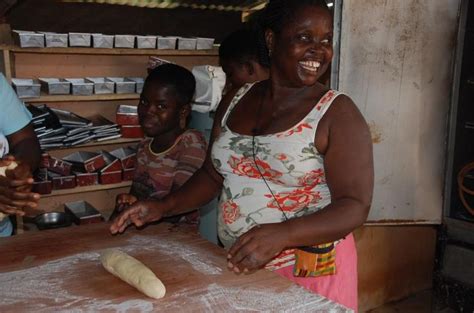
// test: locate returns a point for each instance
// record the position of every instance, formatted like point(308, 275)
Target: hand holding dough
point(3, 171)
point(133, 272)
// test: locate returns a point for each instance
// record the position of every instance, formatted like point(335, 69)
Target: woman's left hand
point(257, 247)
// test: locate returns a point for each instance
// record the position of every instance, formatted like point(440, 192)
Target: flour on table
point(218, 298)
point(44, 284)
point(194, 256)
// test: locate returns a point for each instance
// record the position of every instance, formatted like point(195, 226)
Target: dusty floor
point(419, 303)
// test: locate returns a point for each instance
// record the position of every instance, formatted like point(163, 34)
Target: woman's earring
point(269, 53)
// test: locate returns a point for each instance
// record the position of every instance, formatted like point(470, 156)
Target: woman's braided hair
point(275, 16)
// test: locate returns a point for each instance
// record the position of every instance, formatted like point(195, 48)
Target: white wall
point(396, 64)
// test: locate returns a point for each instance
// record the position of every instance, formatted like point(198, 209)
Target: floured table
point(60, 271)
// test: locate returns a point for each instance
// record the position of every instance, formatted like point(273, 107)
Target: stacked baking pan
point(31, 39)
point(127, 117)
point(59, 128)
point(30, 88)
point(84, 168)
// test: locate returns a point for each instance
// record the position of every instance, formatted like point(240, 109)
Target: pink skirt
point(341, 287)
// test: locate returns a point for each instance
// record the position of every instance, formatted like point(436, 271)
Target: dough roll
point(133, 272)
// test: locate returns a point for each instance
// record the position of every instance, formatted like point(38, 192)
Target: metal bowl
point(51, 220)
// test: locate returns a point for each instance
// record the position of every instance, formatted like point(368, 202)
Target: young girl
point(171, 153)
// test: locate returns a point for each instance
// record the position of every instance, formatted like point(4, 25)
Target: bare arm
point(25, 147)
point(348, 164)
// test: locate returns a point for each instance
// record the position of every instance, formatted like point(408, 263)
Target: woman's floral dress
point(294, 171)
point(290, 164)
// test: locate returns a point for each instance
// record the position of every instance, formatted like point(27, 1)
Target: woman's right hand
point(139, 214)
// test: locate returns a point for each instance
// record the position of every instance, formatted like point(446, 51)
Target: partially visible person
point(172, 152)
point(292, 160)
point(18, 143)
point(238, 56)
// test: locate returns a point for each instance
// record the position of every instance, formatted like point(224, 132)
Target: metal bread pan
point(69, 118)
point(55, 40)
point(187, 43)
point(139, 81)
point(112, 164)
point(110, 177)
point(122, 85)
point(146, 42)
point(86, 179)
point(132, 131)
point(62, 182)
point(166, 43)
point(81, 87)
point(28, 39)
point(79, 39)
point(126, 115)
point(55, 86)
point(52, 220)
point(26, 88)
point(128, 174)
point(204, 43)
point(124, 41)
point(85, 161)
point(101, 85)
point(59, 166)
point(126, 155)
point(82, 212)
point(103, 41)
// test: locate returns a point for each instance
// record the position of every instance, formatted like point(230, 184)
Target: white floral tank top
point(291, 165)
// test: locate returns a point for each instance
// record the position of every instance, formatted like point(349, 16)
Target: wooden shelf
point(100, 143)
point(70, 50)
point(72, 98)
point(86, 189)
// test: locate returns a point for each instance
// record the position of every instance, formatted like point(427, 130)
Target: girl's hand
point(257, 247)
point(125, 198)
point(139, 214)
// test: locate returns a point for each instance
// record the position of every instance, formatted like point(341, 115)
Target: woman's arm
point(201, 188)
point(25, 147)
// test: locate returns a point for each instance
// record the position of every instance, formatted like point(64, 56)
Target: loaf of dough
point(3, 171)
point(133, 272)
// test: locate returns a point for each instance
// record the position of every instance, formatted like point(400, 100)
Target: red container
point(86, 179)
point(128, 174)
point(113, 166)
point(86, 161)
point(132, 131)
point(42, 187)
point(110, 177)
point(64, 182)
point(59, 166)
point(126, 115)
point(126, 156)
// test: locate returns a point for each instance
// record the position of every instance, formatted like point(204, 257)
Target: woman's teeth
point(311, 66)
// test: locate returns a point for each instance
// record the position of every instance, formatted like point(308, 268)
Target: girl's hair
point(181, 80)
point(275, 16)
point(240, 47)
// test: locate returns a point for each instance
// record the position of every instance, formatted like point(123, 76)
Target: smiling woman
point(292, 160)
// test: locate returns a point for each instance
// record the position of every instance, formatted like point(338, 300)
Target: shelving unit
point(68, 98)
point(89, 62)
point(85, 189)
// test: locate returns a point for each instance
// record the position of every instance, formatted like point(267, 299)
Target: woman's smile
point(310, 66)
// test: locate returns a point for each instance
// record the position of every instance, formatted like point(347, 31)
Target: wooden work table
point(59, 271)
